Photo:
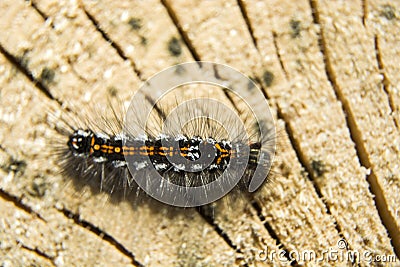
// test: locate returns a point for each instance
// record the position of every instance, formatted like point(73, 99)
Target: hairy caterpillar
point(189, 156)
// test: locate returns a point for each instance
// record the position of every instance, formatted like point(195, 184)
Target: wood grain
point(329, 69)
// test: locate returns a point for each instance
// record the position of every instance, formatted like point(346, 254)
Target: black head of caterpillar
point(79, 142)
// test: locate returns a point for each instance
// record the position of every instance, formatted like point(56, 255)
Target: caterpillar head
point(79, 142)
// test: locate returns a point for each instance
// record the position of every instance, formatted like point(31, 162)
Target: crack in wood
point(113, 44)
point(278, 54)
point(273, 234)
point(38, 252)
point(387, 219)
point(100, 233)
point(40, 12)
point(17, 201)
point(332, 81)
point(210, 220)
point(19, 64)
point(181, 31)
point(310, 172)
point(301, 159)
point(243, 10)
point(385, 81)
point(364, 6)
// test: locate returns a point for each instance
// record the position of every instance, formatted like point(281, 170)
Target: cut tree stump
point(329, 69)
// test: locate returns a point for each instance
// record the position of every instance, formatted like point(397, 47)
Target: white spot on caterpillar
point(102, 136)
point(84, 133)
point(141, 137)
point(119, 163)
point(100, 159)
point(160, 166)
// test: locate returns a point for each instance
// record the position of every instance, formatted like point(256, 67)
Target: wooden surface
point(331, 73)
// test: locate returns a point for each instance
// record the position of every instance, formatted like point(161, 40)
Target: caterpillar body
point(189, 156)
point(109, 154)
